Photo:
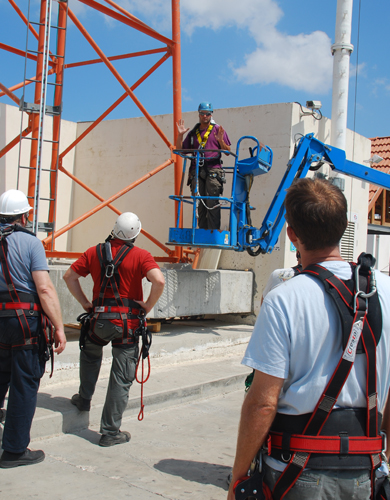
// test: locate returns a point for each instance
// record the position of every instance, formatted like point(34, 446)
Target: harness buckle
point(110, 270)
point(384, 440)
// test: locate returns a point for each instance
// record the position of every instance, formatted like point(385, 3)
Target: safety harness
point(20, 304)
point(117, 308)
point(203, 161)
point(332, 438)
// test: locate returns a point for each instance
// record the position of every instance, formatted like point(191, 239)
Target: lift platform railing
point(259, 162)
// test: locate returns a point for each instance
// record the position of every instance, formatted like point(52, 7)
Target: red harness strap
point(355, 445)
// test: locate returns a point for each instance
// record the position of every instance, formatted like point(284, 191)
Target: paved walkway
point(184, 447)
point(179, 453)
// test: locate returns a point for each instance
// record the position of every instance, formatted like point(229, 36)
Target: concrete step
point(189, 361)
point(177, 342)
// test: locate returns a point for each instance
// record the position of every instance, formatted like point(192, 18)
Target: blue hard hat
point(205, 106)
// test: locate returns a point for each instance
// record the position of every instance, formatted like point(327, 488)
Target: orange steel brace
point(25, 20)
point(9, 93)
point(130, 16)
point(19, 52)
point(117, 58)
point(176, 70)
point(61, 37)
point(31, 80)
point(15, 141)
point(100, 198)
point(66, 228)
point(143, 28)
point(37, 97)
point(118, 77)
point(113, 106)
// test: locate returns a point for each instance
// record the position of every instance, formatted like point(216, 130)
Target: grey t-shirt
point(25, 255)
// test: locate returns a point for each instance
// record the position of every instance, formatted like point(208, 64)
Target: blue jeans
point(325, 485)
point(20, 372)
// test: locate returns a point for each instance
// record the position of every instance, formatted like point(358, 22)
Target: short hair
point(317, 212)
point(9, 219)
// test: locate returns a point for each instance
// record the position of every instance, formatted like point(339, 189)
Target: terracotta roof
point(381, 147)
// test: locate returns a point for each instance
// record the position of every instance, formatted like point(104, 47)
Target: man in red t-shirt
point(117, 300)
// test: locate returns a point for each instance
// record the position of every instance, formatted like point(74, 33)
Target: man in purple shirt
point(206, 135)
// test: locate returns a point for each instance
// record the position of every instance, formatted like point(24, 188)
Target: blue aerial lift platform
point(309, 154)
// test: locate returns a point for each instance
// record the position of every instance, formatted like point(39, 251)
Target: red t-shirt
point(134, 267)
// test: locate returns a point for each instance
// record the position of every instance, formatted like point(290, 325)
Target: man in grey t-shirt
point(26, 293)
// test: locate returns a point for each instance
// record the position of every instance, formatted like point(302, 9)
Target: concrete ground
point(183, 448)
point(182, 452)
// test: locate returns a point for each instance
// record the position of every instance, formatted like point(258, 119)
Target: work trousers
point(20, 373)
point(124, 361)
point(209, 211)
point(325, 485)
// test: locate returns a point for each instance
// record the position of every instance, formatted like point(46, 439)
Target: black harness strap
point(17, 307)
point(111, 279)
point(352, 303)
point(28, 340)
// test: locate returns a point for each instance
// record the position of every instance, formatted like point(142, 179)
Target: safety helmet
point(127, 226)
point(205, 106)
point(14, 202)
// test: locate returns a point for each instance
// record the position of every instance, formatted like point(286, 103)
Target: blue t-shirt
point(25, 255)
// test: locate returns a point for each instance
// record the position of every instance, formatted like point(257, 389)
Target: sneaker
point(2, 415)
point(28, 457)
point(121, 437)
point(81, 403)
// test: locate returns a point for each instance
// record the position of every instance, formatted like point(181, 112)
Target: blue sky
point(234, 53)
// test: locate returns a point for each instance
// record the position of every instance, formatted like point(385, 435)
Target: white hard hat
point(127, 226)
point(14, 202)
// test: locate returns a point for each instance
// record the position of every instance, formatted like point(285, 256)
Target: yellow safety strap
point(202, 142)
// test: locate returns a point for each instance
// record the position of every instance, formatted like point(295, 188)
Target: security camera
point(314, 104)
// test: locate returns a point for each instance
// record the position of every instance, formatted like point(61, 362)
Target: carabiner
point(110, 269)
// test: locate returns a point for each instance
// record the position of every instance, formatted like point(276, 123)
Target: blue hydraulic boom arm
point(307, 152)
point(241, 235)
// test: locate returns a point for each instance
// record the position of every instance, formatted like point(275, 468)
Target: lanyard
point(202, 142)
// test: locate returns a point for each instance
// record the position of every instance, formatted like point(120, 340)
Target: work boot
point(28, 457)
point(2, 415)
point(81, 403)
point(121, 437)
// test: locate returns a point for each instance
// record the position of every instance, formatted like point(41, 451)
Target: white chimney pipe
point(341, 51)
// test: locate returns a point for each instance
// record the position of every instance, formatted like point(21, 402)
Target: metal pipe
point(59, 80)
point(341, 51)
point(176, 70)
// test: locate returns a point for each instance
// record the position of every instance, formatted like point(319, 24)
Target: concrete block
point(187, 292)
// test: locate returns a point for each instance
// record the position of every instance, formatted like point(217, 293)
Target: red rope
point(142, 381)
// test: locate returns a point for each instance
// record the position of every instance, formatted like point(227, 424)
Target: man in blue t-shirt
point(296, 345)
point(26, 292)
point(206, 135)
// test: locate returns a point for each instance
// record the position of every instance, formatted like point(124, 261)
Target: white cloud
point(302, 62)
